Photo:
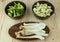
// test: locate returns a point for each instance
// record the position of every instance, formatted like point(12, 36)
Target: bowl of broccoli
point(43, 9)
point(15, 9)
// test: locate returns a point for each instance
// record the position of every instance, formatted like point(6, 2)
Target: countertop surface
point(52, 22)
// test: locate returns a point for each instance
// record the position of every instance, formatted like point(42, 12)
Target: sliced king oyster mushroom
point(32, 28)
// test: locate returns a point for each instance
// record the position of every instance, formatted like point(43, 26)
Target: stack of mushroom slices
point(35, 29)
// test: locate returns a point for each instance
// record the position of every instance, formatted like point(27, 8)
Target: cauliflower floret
point(42, 10)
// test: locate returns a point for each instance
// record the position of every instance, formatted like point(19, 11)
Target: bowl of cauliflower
point(43, 9)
